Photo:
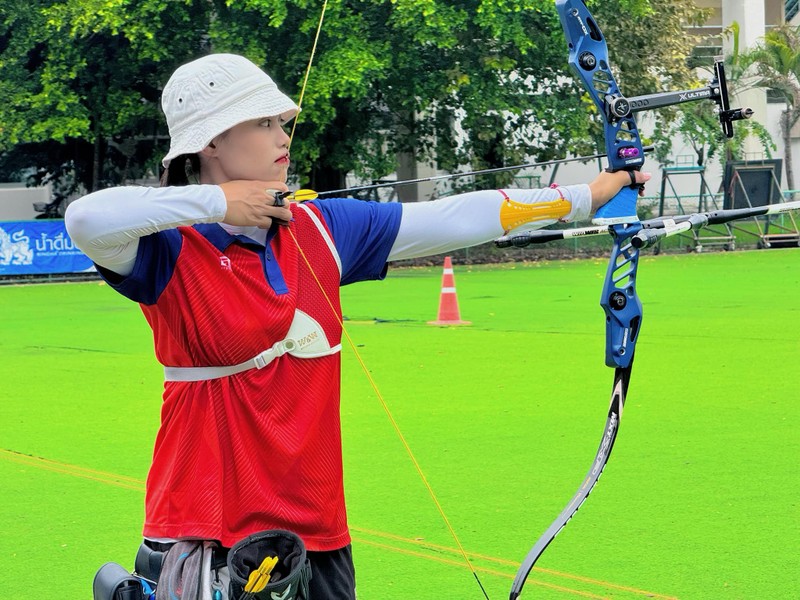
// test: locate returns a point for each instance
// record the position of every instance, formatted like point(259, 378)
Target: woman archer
point(250, 432)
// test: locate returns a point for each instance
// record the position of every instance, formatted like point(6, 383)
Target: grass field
point(700, 498)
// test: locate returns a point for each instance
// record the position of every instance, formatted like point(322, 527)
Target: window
point(791, 7)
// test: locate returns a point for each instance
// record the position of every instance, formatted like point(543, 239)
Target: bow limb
point(621, 378)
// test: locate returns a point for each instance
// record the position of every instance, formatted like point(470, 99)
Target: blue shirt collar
point(221, 239)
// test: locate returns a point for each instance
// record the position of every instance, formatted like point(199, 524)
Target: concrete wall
point(16, 201)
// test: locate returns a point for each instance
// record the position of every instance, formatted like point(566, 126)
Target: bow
point(588, 58)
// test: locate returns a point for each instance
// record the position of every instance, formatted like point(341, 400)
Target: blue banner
point(39, 248)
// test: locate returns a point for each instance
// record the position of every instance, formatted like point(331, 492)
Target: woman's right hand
point(252, 203)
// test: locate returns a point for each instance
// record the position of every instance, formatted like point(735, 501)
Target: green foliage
point(80, 77)
point(476, 82)
point(775, 64)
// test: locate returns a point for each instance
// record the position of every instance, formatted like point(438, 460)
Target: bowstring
point(352, 344)
point(308, 70)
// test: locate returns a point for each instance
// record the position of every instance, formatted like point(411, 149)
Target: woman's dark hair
point(182, 170)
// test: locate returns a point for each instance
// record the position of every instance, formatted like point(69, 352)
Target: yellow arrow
point(259, 578)
point(302, 195)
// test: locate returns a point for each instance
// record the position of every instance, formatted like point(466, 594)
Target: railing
point(528, 181)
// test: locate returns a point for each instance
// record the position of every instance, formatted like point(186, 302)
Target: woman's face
point(253, 150)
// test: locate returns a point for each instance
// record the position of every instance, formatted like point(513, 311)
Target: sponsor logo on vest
point(225, 263)
point(307, 339)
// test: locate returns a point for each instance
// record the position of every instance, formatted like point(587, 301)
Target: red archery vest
point(260, 449)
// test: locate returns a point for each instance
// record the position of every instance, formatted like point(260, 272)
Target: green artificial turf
point(699, 499)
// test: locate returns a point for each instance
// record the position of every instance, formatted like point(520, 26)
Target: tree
point(80, 98)
point(453, 83)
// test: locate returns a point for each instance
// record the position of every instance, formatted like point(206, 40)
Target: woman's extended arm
point(473, 218)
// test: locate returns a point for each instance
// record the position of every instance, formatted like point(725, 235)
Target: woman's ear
point(210, 151)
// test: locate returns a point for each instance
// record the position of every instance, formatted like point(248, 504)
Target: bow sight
point(618, 106)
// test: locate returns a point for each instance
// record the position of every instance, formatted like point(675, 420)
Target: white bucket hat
point(208, 96)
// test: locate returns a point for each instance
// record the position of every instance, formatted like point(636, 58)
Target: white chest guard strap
point(305, 339)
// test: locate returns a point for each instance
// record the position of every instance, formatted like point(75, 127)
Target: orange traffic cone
point(448, 301)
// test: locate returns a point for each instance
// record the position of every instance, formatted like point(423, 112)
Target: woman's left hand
point(606, 185)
